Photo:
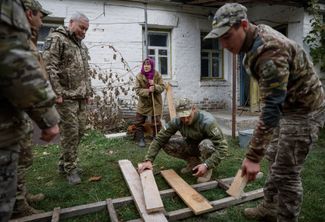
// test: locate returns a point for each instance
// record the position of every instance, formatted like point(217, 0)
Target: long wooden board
point(170, 101)
point(191, 197)
point(84, 209)
point(151, 193)
point(132, 179)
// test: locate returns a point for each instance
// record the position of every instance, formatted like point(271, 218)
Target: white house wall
point(120, 24)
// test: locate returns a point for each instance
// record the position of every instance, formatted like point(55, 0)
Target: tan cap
point(35, 5)
point(183, 107)
point(225, 18)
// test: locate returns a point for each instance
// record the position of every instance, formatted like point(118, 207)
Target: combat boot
point(264, 211)
point(61, 170)
point(191, 163)
point(205, 178)
point(22, 209)
point(32, 198)
point(73, 177)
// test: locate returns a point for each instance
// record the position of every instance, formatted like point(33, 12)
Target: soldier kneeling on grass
point(202, 143)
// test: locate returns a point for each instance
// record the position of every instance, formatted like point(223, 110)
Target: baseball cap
point(225, 17)
point(35, 5)
point(183, 107)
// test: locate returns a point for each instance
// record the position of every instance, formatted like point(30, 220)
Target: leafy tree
point(316, 37)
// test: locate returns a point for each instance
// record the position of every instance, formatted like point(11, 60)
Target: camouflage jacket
point(287, 80)
point(12, 13)
point(66, 62)
point(204, 126)
point(23, 88)
point(145, 106)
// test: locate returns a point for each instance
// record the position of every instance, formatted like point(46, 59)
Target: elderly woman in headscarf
point(148, 86)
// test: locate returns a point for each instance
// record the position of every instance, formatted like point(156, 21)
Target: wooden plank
point(170, 101)
point(115, 135)
point(111, 210)
point(217, 205)
point(236, 188)
point(191, 197)
point(56, 214)
point(101, 205)
point(151, 193)
point(132, 179)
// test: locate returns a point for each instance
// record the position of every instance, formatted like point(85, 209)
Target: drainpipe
point(234, 98)
point(145, 30)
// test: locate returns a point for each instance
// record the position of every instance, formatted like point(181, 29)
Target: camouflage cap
point(183, 107)
point(35, 5)
point(225, 17)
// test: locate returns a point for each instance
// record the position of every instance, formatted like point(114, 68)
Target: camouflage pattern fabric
point(204, 127)
point(72, 125)
point(8, 180)
point(25, 160)
point(288, 82)
point(287, 152)
point(226, 16)
point(12, 14)
point(292, 112)
point(179, 148)
point(145, 105)
point(23, 90)
point(66, 62)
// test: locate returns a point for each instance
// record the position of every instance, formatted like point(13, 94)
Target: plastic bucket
point(245, 137)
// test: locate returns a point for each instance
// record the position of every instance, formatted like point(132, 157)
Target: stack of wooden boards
point(147, 197)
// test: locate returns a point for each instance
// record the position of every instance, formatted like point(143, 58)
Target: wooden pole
point(234, 97)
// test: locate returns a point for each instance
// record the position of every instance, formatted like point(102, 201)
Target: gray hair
point(77, 16)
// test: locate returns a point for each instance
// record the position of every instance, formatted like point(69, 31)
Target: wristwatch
point(206, 165)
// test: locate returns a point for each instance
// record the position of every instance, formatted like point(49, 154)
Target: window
point(49, 24)
point(211, 59)
point(158, 49)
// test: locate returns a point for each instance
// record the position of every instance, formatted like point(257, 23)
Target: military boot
point(264, 211)
point(191, 163)
point(73, 177)
point(32, 198)
point(22, 209)
point(205, 178)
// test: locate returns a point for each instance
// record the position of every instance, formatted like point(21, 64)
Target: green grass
point(99, 157)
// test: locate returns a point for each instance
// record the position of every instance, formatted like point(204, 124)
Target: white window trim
point(156, 48)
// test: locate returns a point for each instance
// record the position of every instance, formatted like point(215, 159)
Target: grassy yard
point(99, 157)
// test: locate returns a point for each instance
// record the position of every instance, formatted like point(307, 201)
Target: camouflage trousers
point(72, 127)
point(179, 148)
point(8, 180)
point(286, 153)
point(25, 159)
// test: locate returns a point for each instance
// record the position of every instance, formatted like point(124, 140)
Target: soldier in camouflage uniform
point(292, 111)
point(202, 144)
point(34, 13)
point(23, 90)
point(66, 59)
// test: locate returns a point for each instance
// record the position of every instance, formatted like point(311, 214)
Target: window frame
point(157, 48)
point(210, 52)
